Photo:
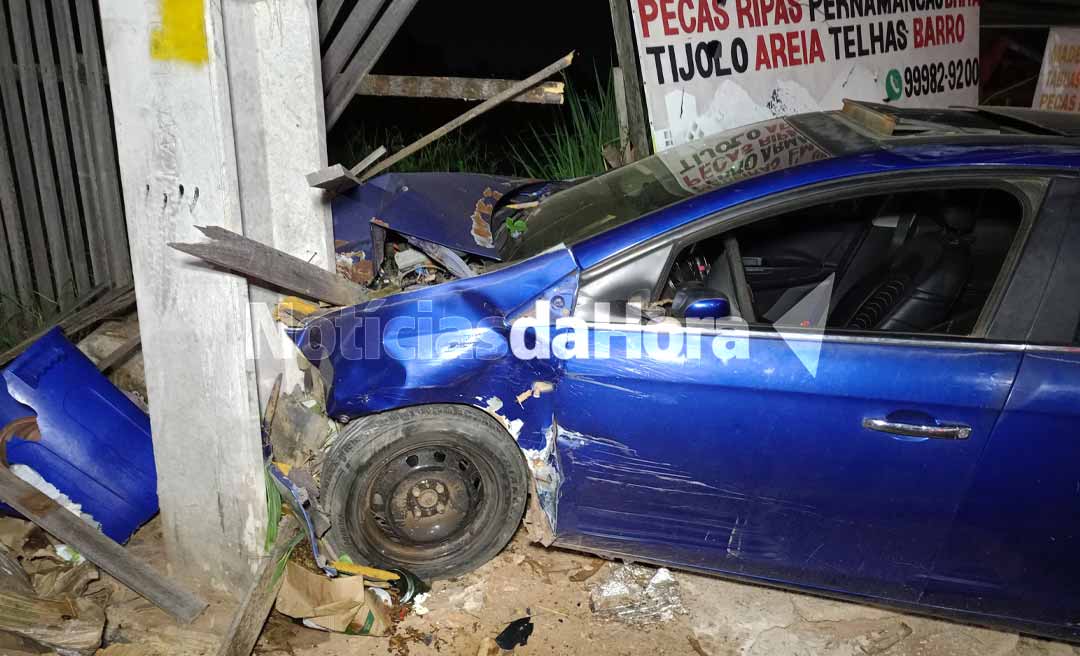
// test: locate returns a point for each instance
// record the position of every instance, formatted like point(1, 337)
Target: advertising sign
point(1059, 81)
point(711, 65)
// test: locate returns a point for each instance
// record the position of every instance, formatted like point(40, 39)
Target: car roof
point(888, 123)
point(857, 157)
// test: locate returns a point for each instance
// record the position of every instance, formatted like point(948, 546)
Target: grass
point(463, 150)
point(18, 320)
point(574, 146)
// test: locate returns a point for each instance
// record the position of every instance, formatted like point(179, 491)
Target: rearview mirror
point(693, 300)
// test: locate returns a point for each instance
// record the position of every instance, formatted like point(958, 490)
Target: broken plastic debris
point(516, 633)
point(637, 595)
point(69, 555)
point(470, 599)
point(29, 475)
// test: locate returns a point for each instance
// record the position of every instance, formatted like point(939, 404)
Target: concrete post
point(215, 110)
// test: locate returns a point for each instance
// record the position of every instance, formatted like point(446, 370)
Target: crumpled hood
point(450, 209)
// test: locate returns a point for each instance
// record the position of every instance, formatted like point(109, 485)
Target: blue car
point(835, 352)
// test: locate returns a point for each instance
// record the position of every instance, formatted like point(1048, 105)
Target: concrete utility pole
point(218, 111)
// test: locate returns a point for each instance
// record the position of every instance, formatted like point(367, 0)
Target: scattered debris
point(696, 646)
point(470, 600)
point(50, 612)
point(488, 647)
point(354, 266)
point(418, 604)
point(299, 430)
point(97, 548)
point(249, 619)
point(588, 572)
point(515, 634)
point(342, 605)
point(639, 595)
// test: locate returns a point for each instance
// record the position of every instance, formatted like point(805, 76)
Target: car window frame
point(1056, 322)
point(1028, 185)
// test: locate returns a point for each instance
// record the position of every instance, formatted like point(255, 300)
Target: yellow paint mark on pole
point(182, 34)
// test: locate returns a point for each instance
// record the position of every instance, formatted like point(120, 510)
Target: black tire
point(437, 489)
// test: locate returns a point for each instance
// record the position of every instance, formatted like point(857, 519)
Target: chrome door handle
point(957, 432)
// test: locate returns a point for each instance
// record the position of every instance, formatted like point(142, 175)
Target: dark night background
point(485, 39)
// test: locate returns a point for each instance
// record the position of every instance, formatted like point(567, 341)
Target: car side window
point(910, 262)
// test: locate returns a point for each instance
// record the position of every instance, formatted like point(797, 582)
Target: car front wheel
point(438, 490)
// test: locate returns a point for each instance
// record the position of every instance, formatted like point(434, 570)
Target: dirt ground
point(720, 618)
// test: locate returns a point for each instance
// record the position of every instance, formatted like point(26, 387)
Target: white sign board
point(1059, 80)
point(711, 65)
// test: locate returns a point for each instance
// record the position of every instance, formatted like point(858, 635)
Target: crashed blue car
point(836, 352)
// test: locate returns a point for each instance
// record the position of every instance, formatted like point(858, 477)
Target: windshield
point(627, 193)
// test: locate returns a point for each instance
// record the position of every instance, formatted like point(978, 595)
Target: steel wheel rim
point(424, 501)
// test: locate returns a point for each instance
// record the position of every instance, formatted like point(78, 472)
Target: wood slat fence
point(62, 229)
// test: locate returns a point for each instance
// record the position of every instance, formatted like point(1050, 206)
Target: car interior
point(914, 262)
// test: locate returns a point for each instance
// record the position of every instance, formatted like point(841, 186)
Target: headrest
point(952, 210)
point(958, 217)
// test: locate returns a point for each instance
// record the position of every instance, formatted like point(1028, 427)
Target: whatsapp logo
point(894, 85)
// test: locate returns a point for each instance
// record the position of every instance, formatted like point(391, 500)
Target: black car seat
point(922, 278)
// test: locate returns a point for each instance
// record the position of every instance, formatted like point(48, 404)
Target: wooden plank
point(871, 119)
point(104, 146)
point(98, 549)
point(348, 37)
point(250, 258)
point(371, 158)
point(459, 88)
point(120, 354)
point(59, 260)
point(82, 142)
point(335, 178)
point(328, 12)
point(635, 96)
point(344, 87)
point(58, 129)
point(248, 622)
point(485, 106)
point(619, 84)
point(15, 237)
point(37, 251)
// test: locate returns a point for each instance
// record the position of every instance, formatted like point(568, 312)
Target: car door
point(1013, 550)
point(745, 460)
